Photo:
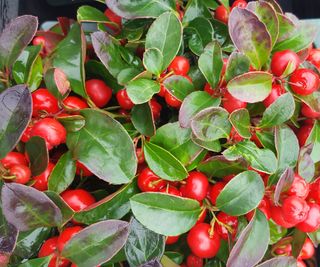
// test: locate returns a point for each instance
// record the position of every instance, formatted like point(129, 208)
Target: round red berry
point(299, 187)
point(171, 190)
point(231, 104)
point(155, 108)
point(148, 181)
point(276, 91)
point(43, 102)
point(66, 235)
point(180, 65)
point(277, 217)
point(215, 191)
point(222, 14)
point(312, 221)
point(280, 61)
point(82, 170)
point(73, 102)
point(113, 17)
point(196, 186)
point(172, 240)
point(304, 82)
point(314, 57)
point(294, 209)
point(22, 173)
point(13, 158)
point(78, 199)
point(99, 92)
point(171, 100)
point(239, 3)
point(124, 100)
point(303, 133)
point(307, 250)
point(194, 261)
point(308, 112)
point(41, 181)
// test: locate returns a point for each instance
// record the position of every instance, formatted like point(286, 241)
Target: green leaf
point(251, 87)
point(15, 37)
point(250, 36)
point(28, 68)
point(141, 90)
point(298, 239)
point(142, 119)
point(62, 174)
point(114, 206)
point(306, 167)
point(252, 243)
point(57, 83)
point(97, 243)
point(211, 63)
point(126, 75)
point(238, 64)
point(314, 139)
point(214, 146)
point(279, 262)
point(153, 60)
point(38, 155)
point(312, 100)
point(193, 104)
point(91, 14)
point(276, 232)
point(260, 159)
point(242, 194)
point(286, 27)
point(178, 86)
point(279, 111)
point(165, 34)
point(40, 262)
point(163, 163)
point(27, 208)
point(195, 9)
point(141, 8)
point(315, 237)
point(104, 147)
point(15, 110)
point(283, 184)
point(166, 261)
point(143, 245)
point(211, 124)
point(165, 214)
point(72, 123)
point(240, 120)
point(174, 256)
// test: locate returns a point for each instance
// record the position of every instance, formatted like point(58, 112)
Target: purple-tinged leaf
point(252, 243)
point(238, 64)
point(306, 168)
point(57, 82)
point(27, 208)
point(279, 262)
point(275, 5)
point(15, 110)
point(15, 37)
point(152, 263)
point(250, 36)
point(286, 27)
point(214, 146)
point(97, 243)
point(285, 181)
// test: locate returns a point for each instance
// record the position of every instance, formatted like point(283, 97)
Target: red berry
point(294, 209)
point(148, 181)
point(304, 81)
point(194, 261)
point(303, 133)
point(171, 190)
point(264, 206)
point(276, 91)
point(74, 102)
point(228, 220)
point(180, 65)
point(235, 136)
point(196, 186)
point(163, 90)
point(299, 187)
point(281, 59)
point(228, 178)
point(172, 240)
point(277, 217)
point(312, 222)
point(155, 108)
point(202, 215)
point(171, 100)
point(66, 235)
point(78, 199)
point(239, 3)
point(99, 92)
point(43, 101)
point(314, 194)
point(82, 170)
point(222, 14)
point(13, 158)
point(113, 18)
point(301, 263)
point(309, 112)
point(283, 249)
point(209, 89)
point(51, 131)
point(39, 40)
point(307, 250)
point(215, 191)
point(22, 173)
point(202, 242)
point(26, 134)
point(41, 181)
point(314, 57)
point(230, 103)
point(124, 100)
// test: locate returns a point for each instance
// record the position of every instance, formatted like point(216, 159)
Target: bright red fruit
point(314, 194)
point(66, 235)
point(43, 102)
point(113, 17)
point(309, 112)
point(264, 206)
point(180, 65)
point(307, 250)
point(50, 130)
point(196, 186)
point(294, 209)
point(299, 187)
point(303, 133)
point(22, 173)
point(231, 104)
point(99, 92)
point(202, 242)
point(277, 217)
point(314, 57)
point(215, 191)
point(281, 59)
point(172, 239)
point(41, 181)
point(276, 91)
point(78, 199)
point(239, 3)
point(155, 108)
point(171, 100)
point(148, 181)
point(13, 158)
point(124, 100)
point(304, 81)
point(163, 90)
point(312, 222)
point(194, 261)
point(221, 14)
point(171, 190)
point(74, 102)
point(39, 40)
point(82, 170)
point(228, 220)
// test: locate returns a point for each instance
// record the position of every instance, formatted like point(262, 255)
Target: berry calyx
point(148, 181)
point(226, 225)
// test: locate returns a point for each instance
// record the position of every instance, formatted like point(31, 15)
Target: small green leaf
point(315, 237)
point(195, 9)
point(178, 86)
point(314, 139)
point(57, 83)
point(240, 120)
point(276, 232)
point(91, 14)
point(214, 146)
point(73, 123)
point(306, 166)
point(238, 64)
point(142, 119)
point(40, 262)
point(141, 90)
point(153, 60)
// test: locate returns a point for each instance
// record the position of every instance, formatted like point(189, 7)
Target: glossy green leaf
point(69, 56)
point(242, 194)
point(143, 245)
point(197, 77)
point(114, 206)
point(38, 155)
point(237, 64)
point(252, 243)
point(240, 120)
point(15, 110)
point(315, 237)
point(195, 9)
point(57, 83)
point(15, 37)
point(126, 75)
point(286, 27)
point(298, 239)
point(153, 60)
point(279, 111)
point(72, 123)
point(194, 103)
point(163, 163)
point(40, 262)
point(62, 174)
point(266, 138)
point(260, 159)
point(166, 261)
point(141, 90)
point(312, 100)
point(174, 256)
point(142, 119)
point(279, 262)
point(27, 208)
point(211, 124)
point(250, 36)
point(165, 34)
point(91, 14)
point(251, 87)
point(178, 86)
point(104, 147)
point(210, 63)
point(165, 214)
point(97, 243)
point(276, 232)
point(314, 139)
point(141, 8)
point(214, 146)
point(28, 68)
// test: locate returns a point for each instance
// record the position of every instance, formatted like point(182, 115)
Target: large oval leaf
point(250, 36)
point(165, 214)
point(104, 147)
point(37, 152)
point(27, 208)
point(242, 194)
point(252, 243)
point(15, 110)
point(101, 241)
point(141, 90)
